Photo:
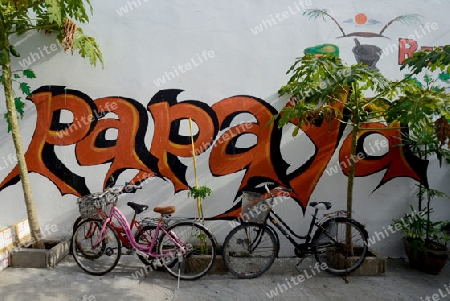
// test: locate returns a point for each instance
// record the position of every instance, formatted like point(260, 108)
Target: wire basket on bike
point(255, 207)
point(92, 206)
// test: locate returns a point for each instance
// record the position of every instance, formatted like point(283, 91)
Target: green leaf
point(88, 47)
point(200, 192)
point(29, 73)
point(13, 51)
point(19, 106)
point(25, 89)
point(16, 75)
point(54, 11)
point(6, 116)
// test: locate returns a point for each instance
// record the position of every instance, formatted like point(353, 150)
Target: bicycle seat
point(164, 210)
point(137, 208)
point(320, 205)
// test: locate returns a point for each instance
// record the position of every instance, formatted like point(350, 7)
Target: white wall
point(142, 45)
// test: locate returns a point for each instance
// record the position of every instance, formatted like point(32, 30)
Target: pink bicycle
point(186, 249)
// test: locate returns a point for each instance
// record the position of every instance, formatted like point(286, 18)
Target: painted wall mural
point(371, 54)
point(92, 119)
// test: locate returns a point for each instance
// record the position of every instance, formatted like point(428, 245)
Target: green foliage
point(20, 109)
point(24, 88)
point(424, 108)
point(13, 51)
point(317, 83)
point(19, 17)
point(201, 192)
point(420, 232)
point(88, 48)
point(436, 59)
point(29, 74)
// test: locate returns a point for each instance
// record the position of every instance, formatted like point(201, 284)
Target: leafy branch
point(200, 192)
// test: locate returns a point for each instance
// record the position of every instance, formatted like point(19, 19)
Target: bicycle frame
point(116, 213)
point(281, 225)
point(119, 229)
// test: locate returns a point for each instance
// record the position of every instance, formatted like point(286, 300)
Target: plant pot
point(54, 252)
point(432, 262)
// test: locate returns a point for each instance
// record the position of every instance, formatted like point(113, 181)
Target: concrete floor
point(68, 282)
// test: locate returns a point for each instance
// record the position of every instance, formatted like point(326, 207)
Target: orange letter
point(40, 156)
point(397, 161)
point(167, 142)
point(127, 150)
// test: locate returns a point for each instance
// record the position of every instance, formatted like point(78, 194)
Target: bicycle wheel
point(341, 244)
point(100, 259)
point(249, 250)
point(200, 246)
point(144, 237)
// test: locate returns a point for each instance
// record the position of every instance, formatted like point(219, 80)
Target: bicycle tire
point(89, 230)
point(243, 259)
point(144, 237)
point(74, 227)
point(201, 247)
point(332, 245)
point(98, 260)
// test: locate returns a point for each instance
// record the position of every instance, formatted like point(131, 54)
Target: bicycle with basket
point(186, 249)
point(250, 249)
point(97, 206)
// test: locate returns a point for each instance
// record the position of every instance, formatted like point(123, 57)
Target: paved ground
point(68, 282)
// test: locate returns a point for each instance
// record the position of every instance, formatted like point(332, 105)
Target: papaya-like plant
point(52, 16)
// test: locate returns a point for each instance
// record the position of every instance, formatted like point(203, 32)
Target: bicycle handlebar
point(118, 190)
point(269, 191)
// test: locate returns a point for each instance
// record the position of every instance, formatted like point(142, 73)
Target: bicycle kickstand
point(297, 266)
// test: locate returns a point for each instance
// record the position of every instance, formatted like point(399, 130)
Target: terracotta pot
point(432, 262)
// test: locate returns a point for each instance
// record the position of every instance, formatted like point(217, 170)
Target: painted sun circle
point(360, 19)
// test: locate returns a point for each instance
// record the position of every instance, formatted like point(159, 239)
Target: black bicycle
point(339, 243)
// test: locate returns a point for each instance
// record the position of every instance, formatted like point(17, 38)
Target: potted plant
point(425, 241)
point(423, 112)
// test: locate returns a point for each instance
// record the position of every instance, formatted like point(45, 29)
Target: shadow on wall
point(34, 48)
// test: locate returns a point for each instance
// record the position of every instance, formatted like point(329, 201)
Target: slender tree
point(325, 89)
point(52, 16)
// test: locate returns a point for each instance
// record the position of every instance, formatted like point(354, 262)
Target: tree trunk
point(355, 130)
point(351, 172)
point(12, 115)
